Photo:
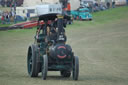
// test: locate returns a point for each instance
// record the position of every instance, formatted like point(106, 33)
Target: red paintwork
point(30, 24)
point(61, 57)
point(61, 47)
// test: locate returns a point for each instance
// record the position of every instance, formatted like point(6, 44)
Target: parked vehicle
point(82, 14)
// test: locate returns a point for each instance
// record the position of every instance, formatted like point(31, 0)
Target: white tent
point(120, 2)
point(74, 3)
point(28, 3)
point(37, 2)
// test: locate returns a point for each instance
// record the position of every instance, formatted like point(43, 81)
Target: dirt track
point(102, 50)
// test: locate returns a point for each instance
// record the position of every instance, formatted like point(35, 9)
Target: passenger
point(53, 34)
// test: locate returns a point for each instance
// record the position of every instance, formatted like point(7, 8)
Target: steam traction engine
point(50, 51)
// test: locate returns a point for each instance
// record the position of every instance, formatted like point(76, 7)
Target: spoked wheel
point(75, 72)
point(32, 63)
point(44, 67)
point(65, 73)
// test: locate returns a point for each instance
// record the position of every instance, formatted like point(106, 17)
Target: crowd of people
point(8, 17)
point(9, 3)
point(94, 7)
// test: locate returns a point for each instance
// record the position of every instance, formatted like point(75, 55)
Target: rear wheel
point(75, 72)
point(32, 64)
point(44, 67)
point(65, 73)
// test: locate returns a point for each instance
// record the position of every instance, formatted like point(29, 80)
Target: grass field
point(102, 47)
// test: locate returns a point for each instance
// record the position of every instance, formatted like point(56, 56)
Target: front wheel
point(32, 64)
point(44, 67)
point(75, 72)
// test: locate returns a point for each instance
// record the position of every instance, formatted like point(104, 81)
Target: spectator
point(7, 18)
point(15, 19)
point(2, 19)
point(28, 16)
point(113, 4)
point(3, 3)
point(90, 7)
point(96, 7)
point(108, 5)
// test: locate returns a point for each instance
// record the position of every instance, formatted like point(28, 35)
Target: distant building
point(117, 2)
point(22, 11)
point(37, 2)
point(50, 1)
point(121, 2)
point(74, 3)
point(28, 3)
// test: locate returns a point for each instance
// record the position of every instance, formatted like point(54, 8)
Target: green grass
point(101, 46)
point(104, 17)
point(11, 23)
point(110, 15)
point(5, 25)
